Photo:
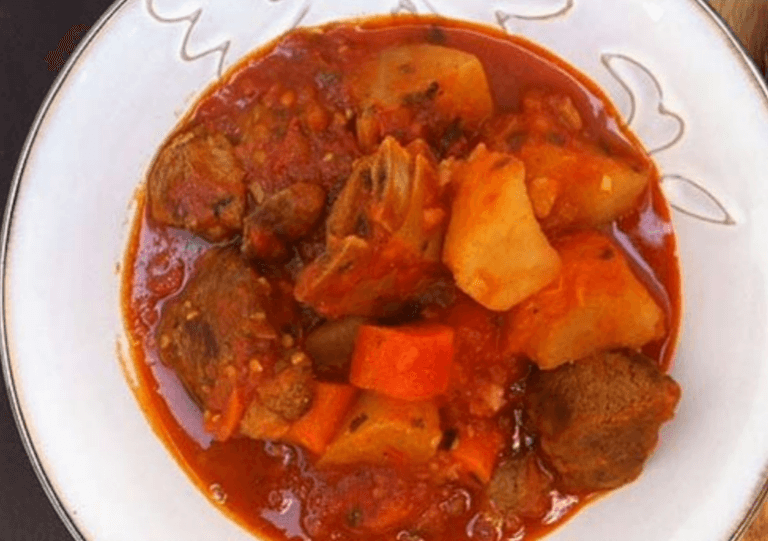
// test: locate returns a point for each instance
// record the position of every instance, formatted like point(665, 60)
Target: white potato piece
point(450, 82)
point(494, 245)
point(583, 188)
point(596, 304)
point(380, 430)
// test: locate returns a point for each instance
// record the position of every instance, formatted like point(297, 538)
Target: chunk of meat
point(220, 336)
point(279, 401)
point(597, 303)
point(261, 423)
point(196, 183)
point(384, 236)
point(331, 346)
point(219, 320)
point(419, 89)
point(381, 430)
point(282, 218)
point(519, 487)
point(289, 393)
point(598, 418)
point(494, 245)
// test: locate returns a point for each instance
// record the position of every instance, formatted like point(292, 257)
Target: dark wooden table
point(749, 20)
point(36, 37)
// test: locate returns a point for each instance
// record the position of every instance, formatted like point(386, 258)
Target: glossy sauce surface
point(274, 488)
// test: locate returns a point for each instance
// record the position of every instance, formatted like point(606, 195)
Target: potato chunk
point(380, 430)
point(494, 245)
point(404, 74)
point(579, 188)
point(596, 304)
point(400, 81)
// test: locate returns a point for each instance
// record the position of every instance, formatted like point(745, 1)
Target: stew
point(404, 278)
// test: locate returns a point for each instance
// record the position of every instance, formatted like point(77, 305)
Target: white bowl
point(670, 66)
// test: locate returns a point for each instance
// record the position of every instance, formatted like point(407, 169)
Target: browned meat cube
point(221, 311)
point(261, 423)
point(331, 346)
point(221, 337)
point(289, 393)
point(520, 488)
point(280, 400)
point(196, 183)
point(598, 418)
point(281, 218)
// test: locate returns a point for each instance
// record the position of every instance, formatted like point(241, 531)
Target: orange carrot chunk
point(223, 425)
point(410, 362)
point(477, 451)
point(321, 423)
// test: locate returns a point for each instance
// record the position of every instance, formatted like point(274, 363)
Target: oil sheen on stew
point(404, 279)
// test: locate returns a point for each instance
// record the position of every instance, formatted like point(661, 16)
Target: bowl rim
point(759, 80)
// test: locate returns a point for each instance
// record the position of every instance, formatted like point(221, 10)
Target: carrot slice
point(478, 450)
point(410, 362)
point(223, 425)
point(321, 423)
